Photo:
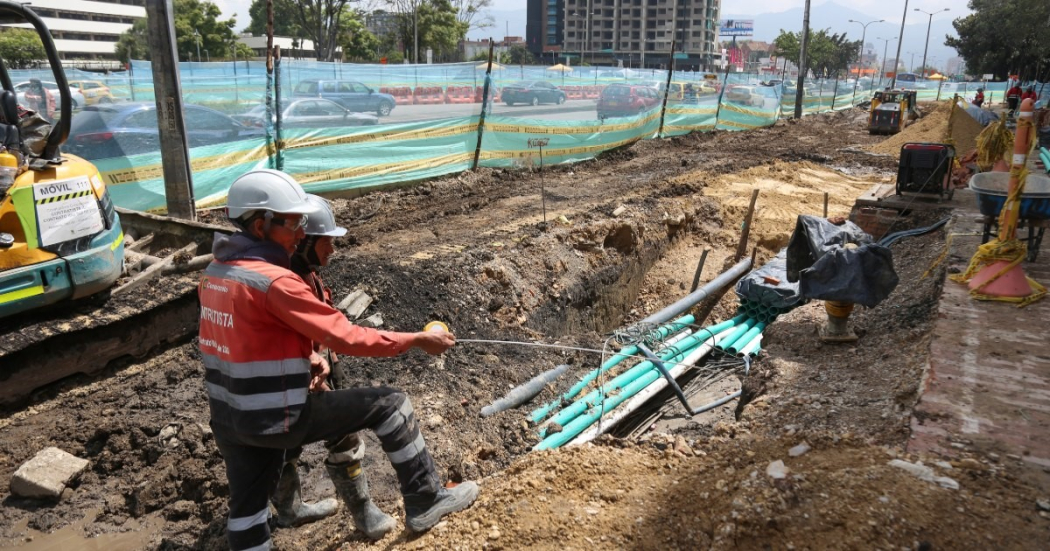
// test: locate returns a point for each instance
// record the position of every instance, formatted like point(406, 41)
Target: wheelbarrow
point(991, 190)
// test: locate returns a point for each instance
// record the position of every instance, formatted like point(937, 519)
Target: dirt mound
point(933, 127)
point(716, 493)
point(964, 132)
point(785, 191)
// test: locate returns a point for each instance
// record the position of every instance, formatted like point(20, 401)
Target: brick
point(47, 474)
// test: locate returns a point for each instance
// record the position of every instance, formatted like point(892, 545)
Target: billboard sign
point(737, 27)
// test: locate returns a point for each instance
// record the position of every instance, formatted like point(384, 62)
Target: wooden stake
point(741, 247)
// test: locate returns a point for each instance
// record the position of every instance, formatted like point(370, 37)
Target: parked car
point(307, 113)
point(74, 93)
point(94, 91)
point(766, 97)
point(122, 129)
point(621, 100)
point(350, 94)
point(532, 93)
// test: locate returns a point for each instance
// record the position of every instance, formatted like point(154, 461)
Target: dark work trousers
point(253, 462)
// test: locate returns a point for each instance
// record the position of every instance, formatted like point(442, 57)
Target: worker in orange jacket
point(1030, 94)
point(1013, 97)
point(258, 328)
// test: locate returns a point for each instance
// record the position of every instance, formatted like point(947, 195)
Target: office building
point(638, 33)
point(87, 29)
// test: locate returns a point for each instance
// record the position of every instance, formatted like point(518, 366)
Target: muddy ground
point(473, 250)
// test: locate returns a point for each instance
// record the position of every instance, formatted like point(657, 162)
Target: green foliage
point(438, 25)
point(357, 42)
point(826, 54)
point(214, 36)
point(519, 55)
point(202, 17)
point(132, 43)
point(19, 48)
point(1003, 36)
point(285, 18)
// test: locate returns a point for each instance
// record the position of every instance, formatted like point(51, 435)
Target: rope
point(1006, 247)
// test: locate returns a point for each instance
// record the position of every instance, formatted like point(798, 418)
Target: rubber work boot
point(291, 511)
point(423, 511)
point(351, 485)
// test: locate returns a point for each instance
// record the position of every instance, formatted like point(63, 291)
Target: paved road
point(571, 110)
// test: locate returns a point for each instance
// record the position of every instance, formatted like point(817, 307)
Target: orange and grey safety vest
point(257, 328)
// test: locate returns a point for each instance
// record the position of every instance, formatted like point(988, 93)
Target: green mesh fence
point(401, 123)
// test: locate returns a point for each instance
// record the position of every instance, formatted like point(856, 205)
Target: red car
point(624, 100)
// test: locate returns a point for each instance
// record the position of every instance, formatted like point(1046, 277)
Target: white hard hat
point(322, 221)
point(266, 190)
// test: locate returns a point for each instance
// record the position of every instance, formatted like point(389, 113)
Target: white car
point(75, 95)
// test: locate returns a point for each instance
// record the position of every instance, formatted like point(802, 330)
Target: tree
point(285, 18)
point(1003, 36)
point(197, 24)
point(520, 55)
point(320, 22)
point(191, 16)
point(358, 43)
point(826, 54)
point(20, 48)
point(132, 43)
point(438, 26)
point(470, 13)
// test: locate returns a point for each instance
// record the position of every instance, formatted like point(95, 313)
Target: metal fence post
point(174, 149)
point(667, 90)
point(835, 93)
point(484, 107)
point(277, 100)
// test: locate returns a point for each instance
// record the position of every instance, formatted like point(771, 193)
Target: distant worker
point(1013, 97)
point(39, 99)
point(978, 98)
point(258, 328)
point(1030, 94)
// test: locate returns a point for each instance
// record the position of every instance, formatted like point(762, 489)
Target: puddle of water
point(72, 536)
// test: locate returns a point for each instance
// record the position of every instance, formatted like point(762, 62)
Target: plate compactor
point(891, 110)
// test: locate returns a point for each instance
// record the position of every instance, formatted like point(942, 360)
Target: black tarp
point(783, 294)
point(839, 262)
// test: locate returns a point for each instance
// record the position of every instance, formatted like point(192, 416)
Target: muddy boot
point(423, 511)
point(291, 511)
point(352, 487)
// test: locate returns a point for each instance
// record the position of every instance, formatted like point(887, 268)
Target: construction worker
point(1013, 97)
point(259, 322)
point(1030, 94)
point(313, 251)
point(978, 98)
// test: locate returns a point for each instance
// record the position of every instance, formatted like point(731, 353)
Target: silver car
point(75, 95)
point(308, 113)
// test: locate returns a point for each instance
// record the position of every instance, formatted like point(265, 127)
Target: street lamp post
point(885, 49)
point(928, 25)
point(197, 39)
point(911, 65)
point(860, 58)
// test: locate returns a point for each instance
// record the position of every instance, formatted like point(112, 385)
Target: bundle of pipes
point(1044, 155)
point(679, 351)
point(675, 347)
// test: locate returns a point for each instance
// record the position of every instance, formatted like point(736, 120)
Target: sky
point(882, 9)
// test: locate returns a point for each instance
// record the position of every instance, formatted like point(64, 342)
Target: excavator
point(60, 236)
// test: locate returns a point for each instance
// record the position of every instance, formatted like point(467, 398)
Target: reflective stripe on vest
point(257, 373)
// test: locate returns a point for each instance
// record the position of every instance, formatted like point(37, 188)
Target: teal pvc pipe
point(580, 423)
point(571, 411)
point(740, 330)
point(540, 413)
point(680, 349)
point(739, 344)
